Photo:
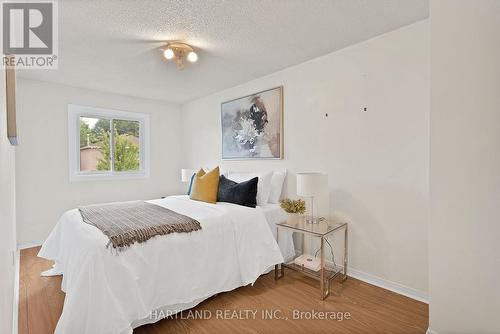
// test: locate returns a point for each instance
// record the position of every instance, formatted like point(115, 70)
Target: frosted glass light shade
point(169, 54)
point(186, 174)
point(192, 57)
point(311, 184)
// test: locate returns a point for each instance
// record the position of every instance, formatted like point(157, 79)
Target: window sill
point(108, 177)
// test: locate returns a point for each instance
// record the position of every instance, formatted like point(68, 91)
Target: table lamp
point(186, 174)
point(310, 185)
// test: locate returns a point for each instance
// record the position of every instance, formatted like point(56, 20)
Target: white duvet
point(113, 292)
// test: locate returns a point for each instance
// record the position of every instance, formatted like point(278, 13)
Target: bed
point(113, 292)
point(275, 214)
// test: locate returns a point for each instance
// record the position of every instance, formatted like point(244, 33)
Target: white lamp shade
point(311, 184)
point(186, 174)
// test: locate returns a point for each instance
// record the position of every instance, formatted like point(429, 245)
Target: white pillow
point(277, 186)
point(263, 186)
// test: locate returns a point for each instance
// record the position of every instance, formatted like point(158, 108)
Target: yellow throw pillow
point(205, 186)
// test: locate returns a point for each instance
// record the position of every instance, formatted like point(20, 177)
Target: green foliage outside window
point(88, 136)
point(126, 154)
point(121, 127)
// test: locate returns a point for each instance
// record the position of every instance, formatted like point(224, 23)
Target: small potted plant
point(294, 208)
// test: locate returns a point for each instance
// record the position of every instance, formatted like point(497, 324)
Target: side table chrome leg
point(345, 253)
point(279, 269)
point(322, 268)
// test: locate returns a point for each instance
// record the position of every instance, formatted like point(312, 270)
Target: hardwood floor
point(371, 309)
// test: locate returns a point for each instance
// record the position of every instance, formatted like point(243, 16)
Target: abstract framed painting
point(252, 126)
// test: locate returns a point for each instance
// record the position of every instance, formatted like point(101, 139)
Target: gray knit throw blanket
point(128, 222)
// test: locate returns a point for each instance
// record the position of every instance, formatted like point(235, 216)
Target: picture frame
point(10, 100)
point(252, 126)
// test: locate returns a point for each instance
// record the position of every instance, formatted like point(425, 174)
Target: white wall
point(7, 217)
point(464, 276)
point(377, 161)
point(43, 188)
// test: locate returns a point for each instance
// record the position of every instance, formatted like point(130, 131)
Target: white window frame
point(74, 114)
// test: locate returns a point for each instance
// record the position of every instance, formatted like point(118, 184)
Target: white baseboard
point(29, 244)
point(389, 285)
point(430, 331)
point(382, 282)
point(386, 284)
point(15, 299)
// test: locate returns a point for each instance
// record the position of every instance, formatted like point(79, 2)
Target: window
point(107, 144)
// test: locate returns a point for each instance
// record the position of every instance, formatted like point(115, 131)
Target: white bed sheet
point(110, 292)
point(274, 215)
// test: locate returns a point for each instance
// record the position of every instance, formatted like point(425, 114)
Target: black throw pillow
point(244, 193)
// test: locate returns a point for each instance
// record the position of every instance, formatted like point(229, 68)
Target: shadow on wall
point(363, 226)
point(370, 236)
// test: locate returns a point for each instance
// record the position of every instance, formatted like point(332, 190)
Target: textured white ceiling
point(112, 45)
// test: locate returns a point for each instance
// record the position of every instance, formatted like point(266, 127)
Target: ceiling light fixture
point(180, 52)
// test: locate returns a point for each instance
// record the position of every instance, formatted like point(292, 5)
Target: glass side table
point(322, 230)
